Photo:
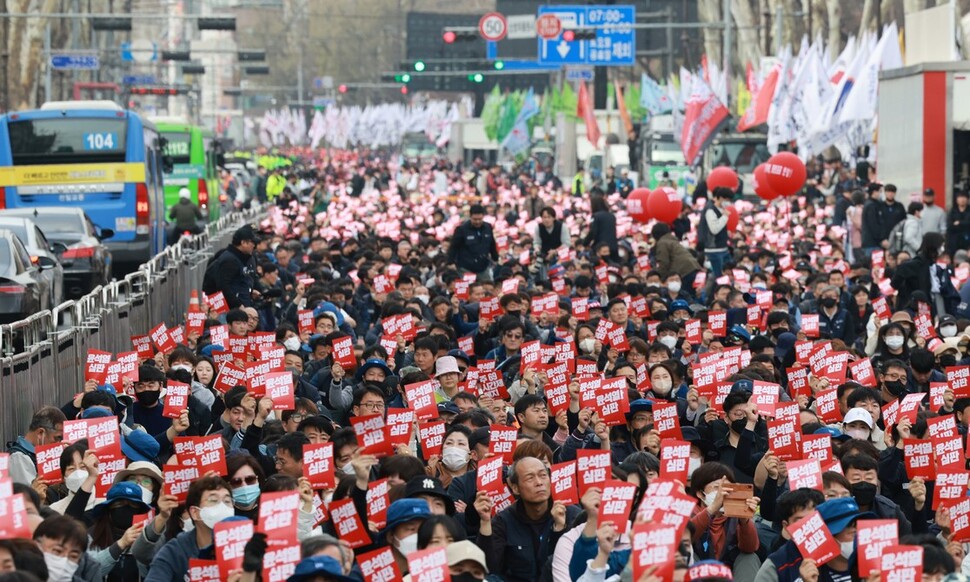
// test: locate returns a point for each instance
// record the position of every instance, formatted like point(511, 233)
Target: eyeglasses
point(143, 481)
point(894, 377)
point(297, 417)
point(248, 480)
point(515, 336)
point(462, 370)
point(372, 405)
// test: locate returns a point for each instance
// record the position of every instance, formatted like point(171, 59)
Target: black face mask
point(122, 516)
point(514, 313)
point(739, 425)
point(829, 302)
point(864, 493)
point(948, 360)
point(465, 577)
point(148, 397)
point(896, 387)
point(659, 315)
point(778, 331)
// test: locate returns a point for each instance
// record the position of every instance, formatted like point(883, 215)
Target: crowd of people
point(422, 372)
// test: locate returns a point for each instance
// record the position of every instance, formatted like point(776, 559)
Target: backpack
point(896, 237)
point(209, 283)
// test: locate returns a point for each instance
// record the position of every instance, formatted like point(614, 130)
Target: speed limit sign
point(493, 26)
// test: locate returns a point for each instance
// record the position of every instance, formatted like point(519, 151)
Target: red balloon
point(636, 204)
point(733, 218)
point(786, 173)
point(760, 184)
point(664, 204)
point(722, 177)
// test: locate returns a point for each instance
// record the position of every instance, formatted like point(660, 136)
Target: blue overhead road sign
point(614, 45)
point(75, 62)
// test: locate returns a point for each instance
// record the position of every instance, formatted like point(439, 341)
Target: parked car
point(42, 252)
point(23, 288)
point(85, 258)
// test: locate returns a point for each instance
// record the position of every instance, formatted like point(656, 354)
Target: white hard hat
point(185, 193)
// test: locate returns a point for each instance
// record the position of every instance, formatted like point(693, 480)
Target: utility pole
point(728, 45)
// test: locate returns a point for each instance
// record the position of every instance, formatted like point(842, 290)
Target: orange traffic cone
point(194, 301)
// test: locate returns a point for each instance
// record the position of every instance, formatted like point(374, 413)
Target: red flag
point(702, 117)
point(584, 110)
point(757, 112)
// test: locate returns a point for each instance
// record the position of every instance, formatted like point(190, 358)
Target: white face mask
point(59, 568)
point(894, 341)
point(213, 514)
point(709, 498)
point(186, 367)
point(587, 345)
point(146, 495)
point(348, 469)
point(662, 386)
point(74, 480)
point(454, 458)
point(669, 340)
point(692, 464)
point(948, 330)
point(292, 343)
point(857, 433)
point(408, 544)
point(423, 298)
point(847, 548)
point(674, 286)
point(188, 524)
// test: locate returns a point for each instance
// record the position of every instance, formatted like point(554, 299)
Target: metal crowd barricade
point(42, 357)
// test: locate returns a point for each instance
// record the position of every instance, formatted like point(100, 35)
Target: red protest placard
point(863, 373)
point(400, 425)
point(949, 452)
point(194, 323)
point(177, 480)
point(655, 544)
point(674, 459)
point(431, 436)
point(616, 502)
point(950, 486)
point(96, 365)
point(217, 302)
point(203, 570)
point(420, 397)
point(378, 502)
point(784, 438)
point(717, 323)
point(229, 377)
point(611, 401)
point(429, 565)
point(593, 468)
point(206, 453)
point(278, 514)
point(48, 462)
point(813, 539)
point(256, 373)
point(279, 389)
point(817, 446)
point(502, 441)
point(279, 561)
point(347, 522)
point(318, 465)
point(827, 406)
point(343, 352)
point(918, 455)
point(305, 321)
point(563, 478)
point(765, 397)
point(804, 474)
point(937, 395)
point(810, 325)
point(379, 566)
point(143, 346)
point(666, 420)
point(176, 399)
point(874, 536)
point(694, 333)
point(229, 539)
point(372, 435)
point(881, 307)
point(489, 476)
point(958, 377)
point(901, 563)
point(161, 338)
point(13, 517)
point(941, 427)
point(489, 309)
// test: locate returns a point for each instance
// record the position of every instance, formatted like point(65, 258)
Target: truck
point(742, 151)
point(923, 137)
point(660, 153)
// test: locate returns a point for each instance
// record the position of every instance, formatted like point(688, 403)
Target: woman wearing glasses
point(246, 479)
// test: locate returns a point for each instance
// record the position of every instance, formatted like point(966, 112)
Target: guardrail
point(42, 357)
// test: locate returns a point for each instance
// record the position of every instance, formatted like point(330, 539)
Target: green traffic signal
point(476, 78)
point(499, 65)
point(405, 78)
point(419, 66)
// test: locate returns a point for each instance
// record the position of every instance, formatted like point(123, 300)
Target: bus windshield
point(666, 152)
point(64, 140)
point(744, 157)
point(178, 146)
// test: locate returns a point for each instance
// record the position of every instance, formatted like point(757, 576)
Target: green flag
point(490, 113)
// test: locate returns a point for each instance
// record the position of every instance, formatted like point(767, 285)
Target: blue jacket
point(585, 549)
point(172, 561)
point(837, 326)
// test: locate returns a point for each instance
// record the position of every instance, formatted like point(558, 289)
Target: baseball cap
point(857, 414)
point(839, 513)
point(138, 445)
point(123, 491)
point(424, 485)
point(465, 551)
point(314, 566)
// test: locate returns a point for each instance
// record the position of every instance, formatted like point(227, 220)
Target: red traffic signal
point(404, 90)
point(568, 36)
point(449, 36)
point(342, 88)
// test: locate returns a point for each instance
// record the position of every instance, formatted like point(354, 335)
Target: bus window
point(64, 140)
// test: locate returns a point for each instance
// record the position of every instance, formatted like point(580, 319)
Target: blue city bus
point(93, 155)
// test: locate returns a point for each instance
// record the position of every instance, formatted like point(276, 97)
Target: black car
point(77, 242)
point(24, 290)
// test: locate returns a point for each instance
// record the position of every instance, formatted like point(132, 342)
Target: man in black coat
point(473, 245)
point(232, 270)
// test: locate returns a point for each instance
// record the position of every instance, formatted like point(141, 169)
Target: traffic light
point(453, 35)
point(403, 78)
point(476, 77)
point(499, 65)
point(572, 34)
point(404, 90)
point(342, 88)
point(419, 66)
point(449, 37)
